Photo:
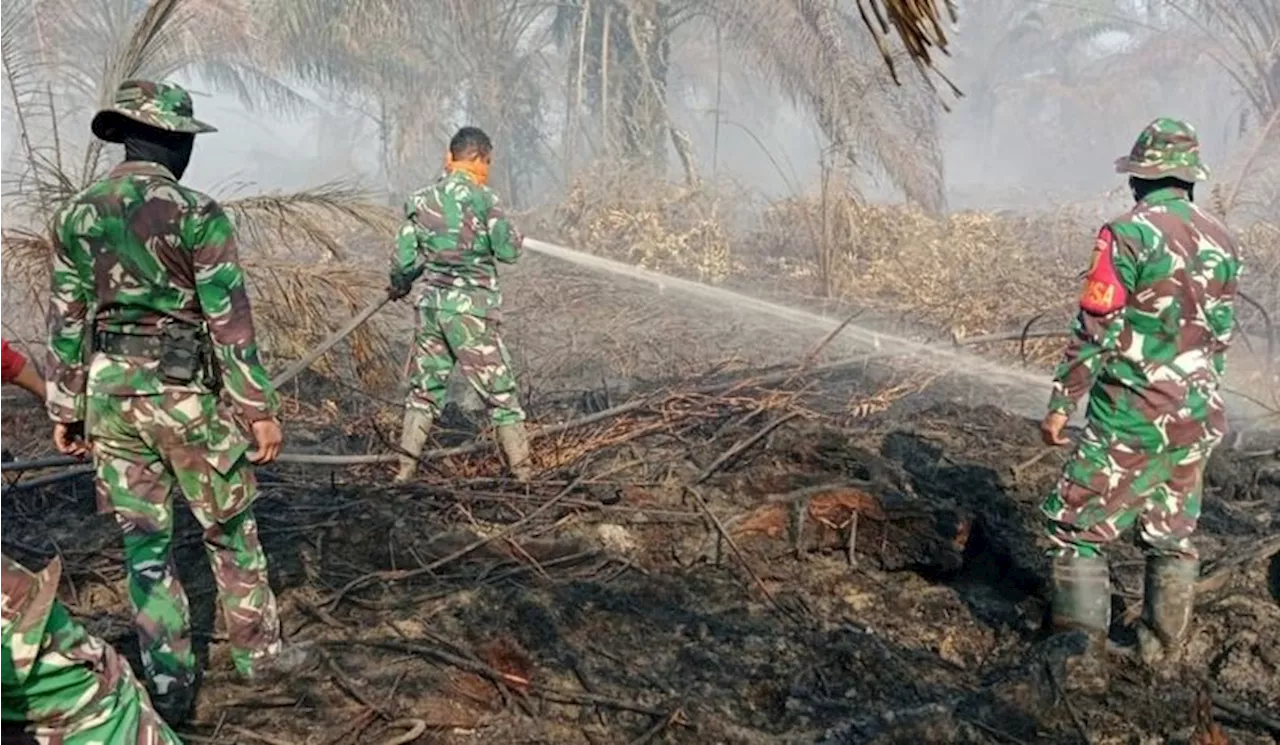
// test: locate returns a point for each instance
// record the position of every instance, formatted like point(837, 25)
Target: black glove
point(400, 287)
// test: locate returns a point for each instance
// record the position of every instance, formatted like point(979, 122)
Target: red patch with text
point(1103, 293)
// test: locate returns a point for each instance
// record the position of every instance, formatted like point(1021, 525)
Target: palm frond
point(160, 22)
point(215, 39)
point(314, 218)
point(296, 305)
point(296, 301)
point(897, 130)
point(19, 63)
point(917, 23)
point(26, 264)
point(40, 182)
point(1244, 36)
point(370, 46)
point(819, 59)
point(254, 87)
point(1256, 177)
point(156, 25)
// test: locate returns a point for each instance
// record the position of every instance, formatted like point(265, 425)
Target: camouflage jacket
point(134, 253)
point(28, 599)
point(455, 231)
point(1156, 314)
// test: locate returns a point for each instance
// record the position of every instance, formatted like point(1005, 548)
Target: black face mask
point(1141, 187)
point(170, 149)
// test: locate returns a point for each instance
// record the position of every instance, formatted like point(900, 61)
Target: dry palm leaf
point(918, 26)
point(295, 305)
point(316, 217)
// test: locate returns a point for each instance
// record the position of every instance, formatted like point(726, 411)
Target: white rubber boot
point(417, 423)
point(515, 446)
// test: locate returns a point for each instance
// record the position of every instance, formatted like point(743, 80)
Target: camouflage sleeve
point(505, 240)
point(408, 261)
point(224, 299)
point(28, 599)
point(71, 294)
point(1096, 330)
point(1220, 311)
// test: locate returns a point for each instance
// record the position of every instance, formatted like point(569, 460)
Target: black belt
point(131, 345)
point(183, 353)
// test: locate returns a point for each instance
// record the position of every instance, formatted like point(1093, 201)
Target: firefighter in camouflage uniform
point(62, 685)
point(455, 232)
point(59, 683)
point(153, 356)
point(1149, 347)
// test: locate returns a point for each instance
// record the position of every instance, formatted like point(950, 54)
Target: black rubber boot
point(176, 705)
point(1082, 604)
point(1168, 598)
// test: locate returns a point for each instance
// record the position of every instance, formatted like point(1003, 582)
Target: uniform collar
point(141, 168)
point(1167, 194)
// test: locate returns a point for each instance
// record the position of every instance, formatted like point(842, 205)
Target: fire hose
point(82, 468)
point(903, 346)
point(289, 373)
point(356, 321)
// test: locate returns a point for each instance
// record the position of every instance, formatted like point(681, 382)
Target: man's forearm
point(21, 372)
point(29, 380)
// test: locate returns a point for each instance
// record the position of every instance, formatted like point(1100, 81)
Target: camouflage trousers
point(143, 446)
point(444, 339)
point(1107, 486)
point(79, 692)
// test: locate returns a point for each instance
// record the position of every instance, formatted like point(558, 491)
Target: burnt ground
point(612, 615)
point(690, 570)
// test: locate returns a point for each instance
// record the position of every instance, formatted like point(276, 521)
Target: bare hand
point(68, 439)
point(1051, 429)
point(268, 436)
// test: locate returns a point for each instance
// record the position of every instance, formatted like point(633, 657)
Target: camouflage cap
point(1167, 147)
point(161, 105)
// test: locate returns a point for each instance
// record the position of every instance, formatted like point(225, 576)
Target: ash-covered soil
point(757, 551)
point(698, 583)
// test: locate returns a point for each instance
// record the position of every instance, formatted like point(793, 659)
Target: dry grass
point(966, 274)
point(972, 273)
point(667, 228)
point(24, 260)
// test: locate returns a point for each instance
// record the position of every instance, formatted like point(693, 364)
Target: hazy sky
point(266, 151)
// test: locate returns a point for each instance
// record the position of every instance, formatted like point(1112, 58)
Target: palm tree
point(1243, 38)
point(53, 77)
point(1028, 57)
point(829, 57)
point(419, 63)
point(419, 67)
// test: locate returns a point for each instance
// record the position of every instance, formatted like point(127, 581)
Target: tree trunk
point(643, 64)
point(606, 140)
point(573, 109)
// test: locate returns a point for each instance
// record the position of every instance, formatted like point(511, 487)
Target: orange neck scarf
point(477, 169)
